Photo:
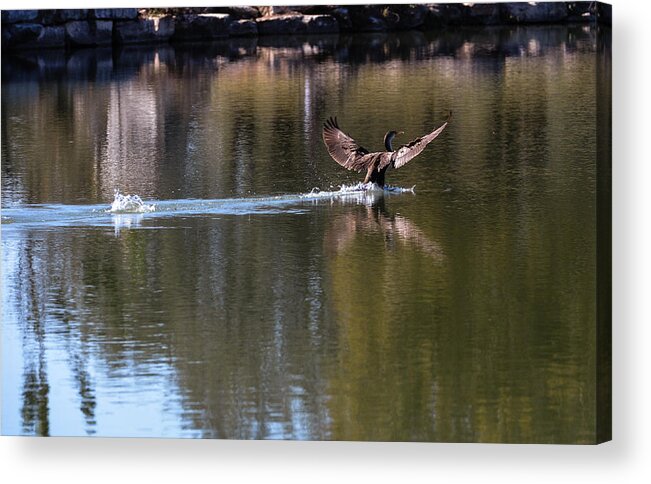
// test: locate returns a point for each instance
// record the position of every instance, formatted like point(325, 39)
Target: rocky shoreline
point(29, 29)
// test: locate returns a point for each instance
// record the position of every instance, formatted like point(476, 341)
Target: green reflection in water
point(463, 312)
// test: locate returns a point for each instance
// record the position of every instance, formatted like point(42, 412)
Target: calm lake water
point(249, 304)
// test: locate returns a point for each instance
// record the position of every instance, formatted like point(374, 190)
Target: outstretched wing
point(344, 149)
point(409, 151)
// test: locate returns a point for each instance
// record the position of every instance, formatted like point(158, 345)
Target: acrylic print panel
point(192, 248)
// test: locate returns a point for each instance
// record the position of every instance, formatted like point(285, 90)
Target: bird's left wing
point(409, 151)
point(344, 149)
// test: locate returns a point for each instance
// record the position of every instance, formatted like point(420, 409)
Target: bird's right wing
point(410, 151)
point(344, 149)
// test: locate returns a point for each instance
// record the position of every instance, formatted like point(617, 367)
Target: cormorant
point(345, 151)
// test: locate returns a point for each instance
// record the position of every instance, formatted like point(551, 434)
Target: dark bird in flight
point(345, 151)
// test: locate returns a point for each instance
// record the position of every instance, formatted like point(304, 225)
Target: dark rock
point(33, 35)
point(202, 26)
point(320, 24)
point(236, 12)
point(579, 11)
point(15, 16)
point(116, 13)
point(582, 12)
point(243, 28)
point(405, 17)
point(532, 12)
point(577, 8)
point(278, 25)
point(370, 18)
point(58, 17)
point(20, 34)
point(271, 11)
point(308, 9)
point(371, 24)
point(52, 36)
point(435, 16)
point(87, 33)
point(49, 17)
point(6, 37)
point(297, 24)
point(604, 13)
point(454, 14)
point(342, 15)
point(72, 14)
point(144, 30)
point(482, 13)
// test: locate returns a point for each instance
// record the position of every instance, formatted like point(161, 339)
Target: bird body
point(349, 154)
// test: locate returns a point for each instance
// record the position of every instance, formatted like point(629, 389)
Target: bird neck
point(388, 139)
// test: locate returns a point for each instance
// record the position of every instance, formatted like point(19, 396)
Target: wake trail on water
point(290, 203)
point(129, 210)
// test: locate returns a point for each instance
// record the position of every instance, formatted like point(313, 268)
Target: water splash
point(129, 204)
point(356, 189)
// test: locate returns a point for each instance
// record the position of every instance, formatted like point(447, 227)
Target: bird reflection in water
point(375, 218)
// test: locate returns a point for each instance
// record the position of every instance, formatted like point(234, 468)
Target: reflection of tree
point(36, 389)
point(45, 317)
point(76, 345)
point(85, 387)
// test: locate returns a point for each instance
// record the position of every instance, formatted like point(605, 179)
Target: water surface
point(247, 303)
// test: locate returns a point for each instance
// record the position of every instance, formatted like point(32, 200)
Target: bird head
point(388, 138)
